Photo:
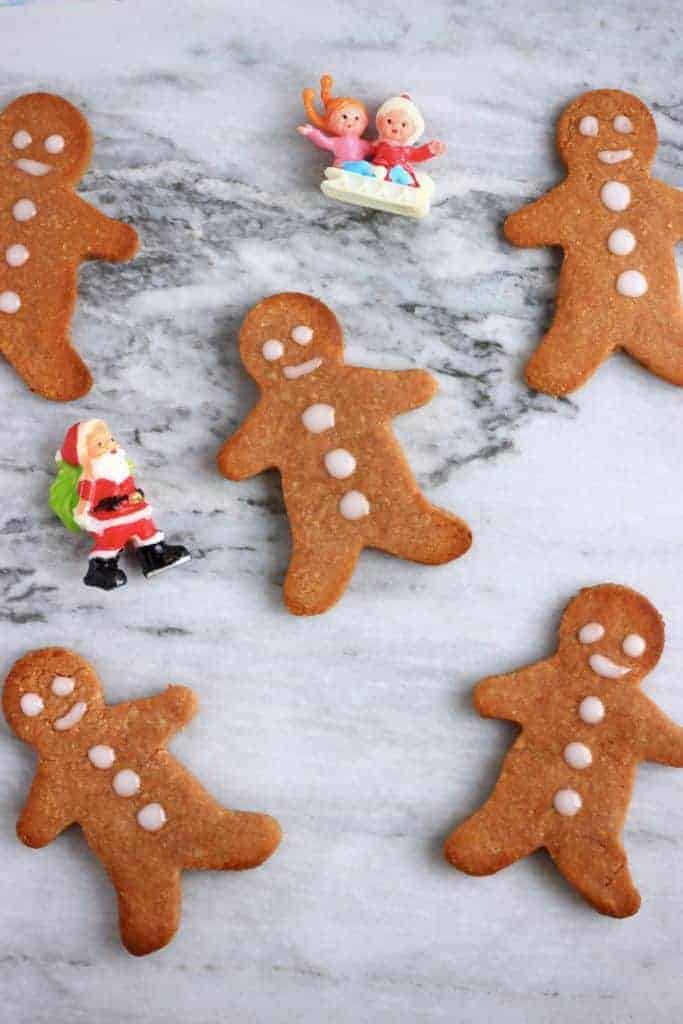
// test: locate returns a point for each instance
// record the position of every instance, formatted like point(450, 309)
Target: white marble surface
point(355, 729)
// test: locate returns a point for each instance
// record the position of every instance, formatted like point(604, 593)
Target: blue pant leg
point(400, 176)
point(359, 167)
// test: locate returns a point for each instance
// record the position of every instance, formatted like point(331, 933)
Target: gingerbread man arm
point(251, 449)
point(673, 198)
point(512, 696)
point(102, 237)
point(155, 719)
point(539, 223)
point(45, 813)
point(387, 393)
point(661, 739)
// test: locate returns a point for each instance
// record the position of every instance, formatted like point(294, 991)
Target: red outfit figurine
point(95, 491)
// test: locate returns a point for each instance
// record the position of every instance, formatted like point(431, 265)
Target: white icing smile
point(614, 156)
point(604, 666)
point(32, 167)
point(292, 372)
point(72, 717)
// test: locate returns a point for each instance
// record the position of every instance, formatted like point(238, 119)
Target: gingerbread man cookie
point(325, 426)
point(617, 227)
point(107, 768)
point(585, 725)
point(47, 231)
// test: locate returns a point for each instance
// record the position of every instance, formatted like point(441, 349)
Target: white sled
point(379, 193)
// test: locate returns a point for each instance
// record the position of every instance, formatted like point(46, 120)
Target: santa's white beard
point(112, 466)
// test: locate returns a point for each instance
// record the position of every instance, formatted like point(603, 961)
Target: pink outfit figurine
point(340, 129)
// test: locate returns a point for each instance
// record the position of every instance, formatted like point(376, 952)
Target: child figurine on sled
point(380, 173)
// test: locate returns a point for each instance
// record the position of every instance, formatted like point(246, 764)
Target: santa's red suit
point(116, 527)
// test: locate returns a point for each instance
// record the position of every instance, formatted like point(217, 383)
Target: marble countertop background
point(355, 729)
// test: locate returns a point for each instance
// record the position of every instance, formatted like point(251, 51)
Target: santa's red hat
point(75, 440)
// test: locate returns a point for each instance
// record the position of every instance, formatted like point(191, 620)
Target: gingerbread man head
point(611, 632)
point(47, 694)
point(31, 153)
point(604, 128)
point(278, 350)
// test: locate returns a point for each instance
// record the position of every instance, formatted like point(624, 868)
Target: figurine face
point(45, 706)
point(100, 441)
point(396, 126)
point(350, 119)
point(279, 350)
point(611, 633)
point(611, 130)
point(32, 154)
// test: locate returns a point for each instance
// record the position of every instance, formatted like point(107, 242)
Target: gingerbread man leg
point(49, 365)
point(232, 841)
point(660, 350)
point(421, 532)
point(572, 350)
point(149, 906)
point(319, 572)
point(494, 837)
point(598, 868)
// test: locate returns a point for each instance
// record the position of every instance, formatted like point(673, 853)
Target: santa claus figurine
point(94, 491)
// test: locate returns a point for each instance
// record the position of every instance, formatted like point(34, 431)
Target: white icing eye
point(588, 125)
point(272, 350)
point(31, 704)
point(54, 144)
point(302, 335)
point(634, 645)
point(62, 686)
point(21, 139)
point(591, 632)
point(622, 124)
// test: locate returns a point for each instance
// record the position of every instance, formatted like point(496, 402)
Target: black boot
point(105, 574)
point(156, 558)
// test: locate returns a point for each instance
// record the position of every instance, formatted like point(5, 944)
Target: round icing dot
point(339, 463)
point(21, 139)
point(591, 632)
point(302, 335)
point(16, 255)
point(318, 417)
point(126, 783)
point(591, 710)
point(578, 755)
point(588, 125)
point(632, 283)
point(354, 505)
point(567, 802)
point(634, 645)
point(31, 704)
point(272, 349)
point(9, 302)
point(615, 195)
point(24, 209)
point(62, 686)
point(151, 817)
point(621, 242)
point(102, 756)
point(54, 143)
point(622, 124)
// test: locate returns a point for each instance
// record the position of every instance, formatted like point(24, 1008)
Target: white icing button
point(591, 632)
point(31, 704)
point(151, 817)
point(588, 125)
point(634, 645)
point(101, 756)
point(302, 335)
point(340, 464)
point(567, 802)
point(126, 783)
point(62, 686)
point(24, 209)
point(16, 255)
point(621, 242)
point(354, 505)
point(54, 143)
point(632, 283)
point(272, 349)
point(21, 139)
point(622, 124)
point(591, 710)
point(9, 302)
point(578, 755)
point(615, 195)
point(318, 417)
